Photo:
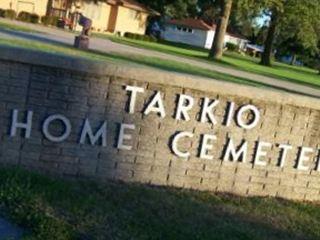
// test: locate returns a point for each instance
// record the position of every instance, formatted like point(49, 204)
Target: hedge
point(140, 37)
point(28, 17)
point(8, 13)
point(49, 20)
point(2, 12)
point(232, 47)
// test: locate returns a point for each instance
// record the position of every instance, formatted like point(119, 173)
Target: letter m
point(234, 153)
point(93, 138)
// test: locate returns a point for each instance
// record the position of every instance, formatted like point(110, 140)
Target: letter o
point(49, 120)
point(254, 122)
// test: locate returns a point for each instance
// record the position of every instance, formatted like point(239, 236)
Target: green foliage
point(279, 71)
point(16, 27)
point(19, 193)
point(174, 9)
point(28, 17)
point(232, 47)
point(9, 13)
point(49, 20)
point(54, 209)
point(2, 12)
point(140, 37)
point(34, 18)
point(24, 16)
point(296, 21)
point(299, 23)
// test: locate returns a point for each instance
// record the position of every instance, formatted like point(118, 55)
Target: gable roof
point(236, 35)
point(132, 4)
point(193, 23)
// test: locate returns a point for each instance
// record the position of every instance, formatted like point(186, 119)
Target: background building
point(115, 16)
point(196, 32)
point(32, 6)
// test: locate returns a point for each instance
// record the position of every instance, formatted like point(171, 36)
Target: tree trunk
point(218, 42)
point(267, 53)
point(293, 59)
point(49, 8)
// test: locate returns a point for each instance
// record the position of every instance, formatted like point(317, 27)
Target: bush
point(2, 12)
point(140, 37)
point(46, 20)
point(34, 18)
point(49, 20)
point(9, 13)
point(28, 17)
point(232, 47)
point(24, 16)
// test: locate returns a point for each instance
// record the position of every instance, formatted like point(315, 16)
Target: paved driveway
point(64, 37)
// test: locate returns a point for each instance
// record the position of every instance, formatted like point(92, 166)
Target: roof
point(200, 24)
point(255, 47)
point(236, 35)
point(132, 4)
point(193, 23)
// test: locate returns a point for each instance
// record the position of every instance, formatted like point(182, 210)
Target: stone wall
point(216, 151)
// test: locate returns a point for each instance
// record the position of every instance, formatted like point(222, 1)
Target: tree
point(295, 19)
point(218, 42)
point(268, 44)
point(173, 9)
point(235, 15)
point(208, 10)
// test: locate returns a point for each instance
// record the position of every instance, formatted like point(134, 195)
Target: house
point(32, 6)
point(198, 33)
point(254, 50)
point(58, 8)
point(115, 16)
point(128, 16)
point(236, 39)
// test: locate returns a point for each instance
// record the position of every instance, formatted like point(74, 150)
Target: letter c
point(175, 144)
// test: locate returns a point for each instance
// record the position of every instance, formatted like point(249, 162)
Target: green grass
point(51, 208)
point(13, 27)
point(280, 71)
point(129, 59)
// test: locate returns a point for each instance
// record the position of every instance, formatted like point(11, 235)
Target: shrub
point(140, 37)
point(28, 17)
point(9, 13)
point(24, 16)
point(2, 12)
point(49, 20)
point(46, 20)
point(34, 18)
point(232, 47)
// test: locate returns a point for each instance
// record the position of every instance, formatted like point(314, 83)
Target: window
point(132, 14)
point(59, 4)
point(184, 29)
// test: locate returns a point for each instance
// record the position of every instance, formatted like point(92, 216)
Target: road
point(54, 35)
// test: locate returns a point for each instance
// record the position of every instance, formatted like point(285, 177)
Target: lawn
point(128, 59)
point(279, 70)
point(50, 208)
point(13, 27)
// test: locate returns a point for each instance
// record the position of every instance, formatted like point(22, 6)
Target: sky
point(262, 20)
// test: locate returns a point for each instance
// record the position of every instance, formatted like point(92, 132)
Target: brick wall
point(79, 90)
